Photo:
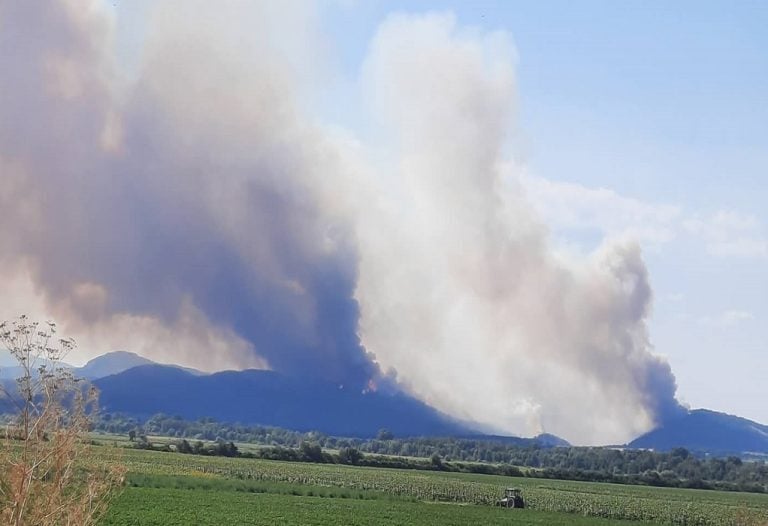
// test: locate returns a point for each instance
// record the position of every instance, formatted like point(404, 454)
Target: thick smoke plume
point(197, 202)
point(464, 296)
point(196, 214)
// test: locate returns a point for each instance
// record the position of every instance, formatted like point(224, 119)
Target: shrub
point(46, 476)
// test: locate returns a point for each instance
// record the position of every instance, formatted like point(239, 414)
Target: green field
point(187, 489)
point(157, 506)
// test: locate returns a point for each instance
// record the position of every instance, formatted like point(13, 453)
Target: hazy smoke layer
point(195, 213)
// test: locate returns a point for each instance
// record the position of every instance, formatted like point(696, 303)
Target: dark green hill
point(268, 398)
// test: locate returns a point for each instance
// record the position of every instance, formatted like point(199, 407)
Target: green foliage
point(311, 452)
point(138, 480)
point(350, 455)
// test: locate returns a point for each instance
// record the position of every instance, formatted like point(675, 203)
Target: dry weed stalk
point(47, 477)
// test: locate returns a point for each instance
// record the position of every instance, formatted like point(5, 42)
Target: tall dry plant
point(47, 475)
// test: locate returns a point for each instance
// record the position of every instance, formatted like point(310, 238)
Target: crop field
point(262, 488)
point(173, 507)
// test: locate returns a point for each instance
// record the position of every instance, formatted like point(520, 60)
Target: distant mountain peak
point(707, 430)
point(114, 356)
point(116, 362)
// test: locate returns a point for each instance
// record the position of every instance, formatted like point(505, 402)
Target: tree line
point(676, 468)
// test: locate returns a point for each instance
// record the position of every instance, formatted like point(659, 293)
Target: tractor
point(513, 498)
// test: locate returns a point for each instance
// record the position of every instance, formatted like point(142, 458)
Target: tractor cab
point(513, 498)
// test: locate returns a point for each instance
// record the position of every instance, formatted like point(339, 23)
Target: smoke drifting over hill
point(196, 213)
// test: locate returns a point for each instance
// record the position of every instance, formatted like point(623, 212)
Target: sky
point(511, 210)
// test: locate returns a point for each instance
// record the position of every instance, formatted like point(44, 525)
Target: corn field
point(656, 505)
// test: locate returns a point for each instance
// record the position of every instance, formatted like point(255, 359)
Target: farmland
point(259, 491)
point(157, 506)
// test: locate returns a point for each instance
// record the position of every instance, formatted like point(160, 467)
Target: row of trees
point(678, 467)
point(219, 448)
point(313, 452)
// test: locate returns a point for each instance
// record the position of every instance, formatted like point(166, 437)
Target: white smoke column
point(459, 289)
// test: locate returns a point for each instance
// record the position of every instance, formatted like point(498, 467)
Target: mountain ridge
point(707, 431)
point(107, 364)
point(136, 385)
point(116, 362)
point(269, 398)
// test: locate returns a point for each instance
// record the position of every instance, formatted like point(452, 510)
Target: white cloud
point(730, 234)
point(727, 319)
point(572, 208)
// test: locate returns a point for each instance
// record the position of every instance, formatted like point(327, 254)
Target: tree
point(46, 475)
point(350, 455)
point(436, 461)
point(311, 452)
point(385, 434)
point(182, 446)
point(142, 442)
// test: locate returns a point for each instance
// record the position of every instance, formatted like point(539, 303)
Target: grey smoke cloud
point(197, 208)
